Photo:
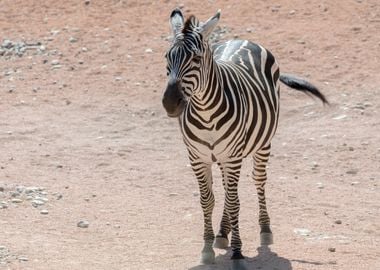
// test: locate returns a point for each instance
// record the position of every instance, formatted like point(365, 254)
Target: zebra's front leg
point(260, 177)
point(221, 239)
point(203, 173)
point(231, 174)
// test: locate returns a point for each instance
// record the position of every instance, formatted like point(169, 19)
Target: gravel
point(9, 48)
point(32, 195)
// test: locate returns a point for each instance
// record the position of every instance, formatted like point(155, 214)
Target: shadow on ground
point(265, 260)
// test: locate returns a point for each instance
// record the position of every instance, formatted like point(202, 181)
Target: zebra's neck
point(210, 98)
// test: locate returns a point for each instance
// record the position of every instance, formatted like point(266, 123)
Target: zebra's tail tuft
point(303, 86)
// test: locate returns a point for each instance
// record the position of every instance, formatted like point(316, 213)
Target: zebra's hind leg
point(221, 239)
point(203, 173)
point(260, 177)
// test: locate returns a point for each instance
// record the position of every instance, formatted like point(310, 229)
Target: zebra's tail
point(303, 86)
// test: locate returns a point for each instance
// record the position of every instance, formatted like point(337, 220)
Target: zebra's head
point(188, 60)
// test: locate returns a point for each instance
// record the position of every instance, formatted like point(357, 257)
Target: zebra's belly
point(221, 146)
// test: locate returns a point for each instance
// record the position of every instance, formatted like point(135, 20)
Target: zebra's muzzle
point(174, 101)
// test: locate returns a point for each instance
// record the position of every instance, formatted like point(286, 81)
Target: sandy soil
point(81, 119)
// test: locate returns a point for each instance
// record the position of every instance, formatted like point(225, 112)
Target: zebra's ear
point(207, 27)
point(176, 22)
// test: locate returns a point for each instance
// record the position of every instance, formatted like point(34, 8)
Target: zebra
point(226, 99)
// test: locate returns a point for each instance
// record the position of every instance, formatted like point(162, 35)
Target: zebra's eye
point(197, 59)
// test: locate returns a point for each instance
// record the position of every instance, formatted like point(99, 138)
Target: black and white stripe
point(227, 101)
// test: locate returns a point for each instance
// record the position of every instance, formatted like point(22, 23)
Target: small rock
point(15, 194)
point(83, 224)
point(149, 50)
point(73, 39)
point(41, 198)
point(44, 212)
point(1, 189)
point(331, 249)
point(292, 12)
point(320, 185)
point(37, 203)
point(55, 62)
point(340, 117)
point(87, 2)
point(173, 194)
point(338, 221)
point(354, 183)
point(16, 200)
point(7, 44)
point(303, 232)
point(20, 189)
point(23, 259)
point(350, 148)
point(352, 171)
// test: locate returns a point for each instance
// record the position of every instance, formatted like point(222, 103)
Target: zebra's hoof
point(221, 242)
point(237, 255)
point(208, 257)
point(266, 239)
point(239, 265)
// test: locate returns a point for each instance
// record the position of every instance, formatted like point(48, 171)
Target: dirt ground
point(83, 136)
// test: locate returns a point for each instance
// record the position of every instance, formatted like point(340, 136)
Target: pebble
point(149, 50)
point(338, 221)
point(352, 171)
point(73, 39)
point(320, 185)
point(3, 205)
point(23, 259)
point(1, 189)
point(37, 203)
point(55, 62)
point(83, 224)
point(331, 249)
point(301, 231)
point(340, 117)
point(44, 212)
point(16, 200)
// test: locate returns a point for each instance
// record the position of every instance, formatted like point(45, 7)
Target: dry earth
point(81, 121)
